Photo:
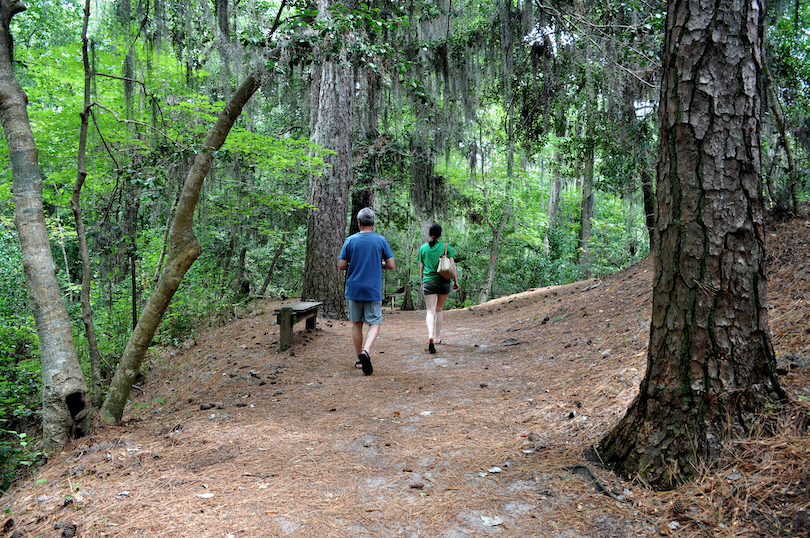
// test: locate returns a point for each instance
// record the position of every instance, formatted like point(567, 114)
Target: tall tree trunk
point(276, 256)
point(128, 221)
point(426, 186)
point(780, 123)
point(710, 364)
point(507, 34)
point(648, 195)
point(223, 41)
point(636, 141)
point(81, 176)
point(632, 243)
point(365, 197)
point(554, 188)
point(66, 405)
point(586, 211)
point(184, 248)
point(497, 235)
point(165, 243)
point(332, 122)
point(242, 283)
point(368, 107)
point(221, 12)
point(62, 248)
point(226, 266)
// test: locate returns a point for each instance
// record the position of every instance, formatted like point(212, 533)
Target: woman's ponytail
point(435, 232)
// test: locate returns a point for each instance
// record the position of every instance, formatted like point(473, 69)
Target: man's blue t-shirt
point(365, 251)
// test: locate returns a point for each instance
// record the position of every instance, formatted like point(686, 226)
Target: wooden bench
point(287, 316)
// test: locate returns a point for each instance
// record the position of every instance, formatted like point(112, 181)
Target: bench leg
point(311, 321)
point(285, 326)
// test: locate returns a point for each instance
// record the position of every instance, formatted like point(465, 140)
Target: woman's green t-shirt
point(430, 257)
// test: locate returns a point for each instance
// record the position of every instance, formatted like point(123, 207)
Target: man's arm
point(343, 265)
point(389, 264)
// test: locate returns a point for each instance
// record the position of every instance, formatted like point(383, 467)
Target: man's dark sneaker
point(365, 362)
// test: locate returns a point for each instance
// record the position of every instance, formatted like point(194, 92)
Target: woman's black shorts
point(441, 287)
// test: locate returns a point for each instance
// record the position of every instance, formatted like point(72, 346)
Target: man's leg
point(357, 336)
point(371, 336)
point(372, 314)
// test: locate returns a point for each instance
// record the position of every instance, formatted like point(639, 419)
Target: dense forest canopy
point(528, 129)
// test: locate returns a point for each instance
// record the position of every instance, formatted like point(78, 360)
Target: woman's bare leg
point(430, 318)
point(439, 315)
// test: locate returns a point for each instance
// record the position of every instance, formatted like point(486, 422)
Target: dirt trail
point(228, 438)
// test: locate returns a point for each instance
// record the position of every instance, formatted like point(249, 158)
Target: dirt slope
point(481, 439)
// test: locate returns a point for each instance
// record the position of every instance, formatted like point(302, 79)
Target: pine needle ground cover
point(226, 437)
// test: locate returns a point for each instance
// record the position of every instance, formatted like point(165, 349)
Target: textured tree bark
point(184, 248)
point(360, 198)
point(66, 406)
point(332, 123)
point(711, 365)
point(75, 205)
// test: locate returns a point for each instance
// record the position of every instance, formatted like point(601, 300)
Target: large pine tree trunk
point(332, 123)
point(66, 405)
point(365, 197)
point(710, 366)
point(184, 248)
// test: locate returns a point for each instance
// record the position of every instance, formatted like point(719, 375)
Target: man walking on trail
point(364, 256)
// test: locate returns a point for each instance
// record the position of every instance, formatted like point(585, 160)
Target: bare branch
point(135, 122)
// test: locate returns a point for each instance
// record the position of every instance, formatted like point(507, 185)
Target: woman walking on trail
point(435, 287)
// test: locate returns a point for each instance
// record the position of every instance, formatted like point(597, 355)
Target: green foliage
point(441, 93)
point(19, 392)
point(790, 61)
point(788, 47)
point(48, 23)
point(618, 237)
point(15, 456)
point(19, 365)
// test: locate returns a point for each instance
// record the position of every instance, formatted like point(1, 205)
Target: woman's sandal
point(358, 365)
point(431, 347)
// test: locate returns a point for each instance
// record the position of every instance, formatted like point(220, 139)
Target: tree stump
point(407, 301)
